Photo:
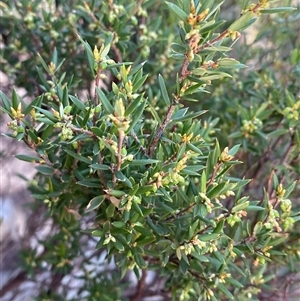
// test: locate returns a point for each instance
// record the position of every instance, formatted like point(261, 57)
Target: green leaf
point(242, 22)
point(28, 158)
point(139, 260)
point(95, 202)
point(46, 170)
point(163, 90)
point(137, 114)
point(137, 84)
point(188, 116)
point(178, 11)
point(45, 66)
point(100, 166)
point(50, 116)
point(93, 183)
point(122, 178)
point(254, 208)
point(133, 105)
point(119, 246)
point(107, 46)
point(77, 156)
point(219, 227)
point(234, 150)
point(89, 53)
point(6, 102)
point(230, 63)
point(15, 99)
point(203, 182)
point(215, 76)
point(225, 291)
point(215, 191)
point(276, 10)
point(142, 241)
point(119, 224)
point(36, 102)
point(234, 282)
point(189, 172)
point(110, 210)
point(277, 133)
point(144, 231)
point(43, 79)
point(240, 207)
point(210, 26)
point(289, 188)
point(105, 102)
point(207, 237)
point(143, 162)
point(77, 102)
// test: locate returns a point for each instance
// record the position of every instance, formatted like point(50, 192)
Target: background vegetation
point(167, 147)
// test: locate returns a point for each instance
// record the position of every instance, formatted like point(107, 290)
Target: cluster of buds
point(233, 34)
point(181, 164)
point(209, 293)
point(292, 113)
point(195, 241)
point(187, 138)
point(146, 37)
point(225, 195)
point(255, 8)
point(272, 221)
point(115, 11)
point(162, 179)
point(280, 192)
point(108, 239)
point(51, 68)
point(210, 64)
point(236, 217)
point(29, 19)
point(15, 127)
point(17, 114)
point(222, 277)
point(194, 18)
point(129, 200)
point(206, 201)
point(225, 157)
point(250, 126)
point(284, 218)
point(66, 133)
point(119, 120)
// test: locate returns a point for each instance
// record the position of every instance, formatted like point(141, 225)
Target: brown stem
point(160, 131)
point(97, 84)
point(138, 6)
point(136, 139)
point(140, 287)
point(213, 41)
point(119, 155)
point(214, 174)
point(82, 131)
point(184, 70)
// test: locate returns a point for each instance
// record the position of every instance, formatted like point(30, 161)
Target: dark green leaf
point(95, 203)
point(163, 90)
point(178, 11)
point(77, 103)
point(105, 102)
point(77, 156)
point(28, 158)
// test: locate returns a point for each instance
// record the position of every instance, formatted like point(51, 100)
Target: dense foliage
point(152, 138)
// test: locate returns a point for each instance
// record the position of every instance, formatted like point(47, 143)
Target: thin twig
point(160, 131)
point(140, 287)
point(119, 154)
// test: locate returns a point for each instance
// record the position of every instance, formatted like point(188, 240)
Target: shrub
point(203, 197)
